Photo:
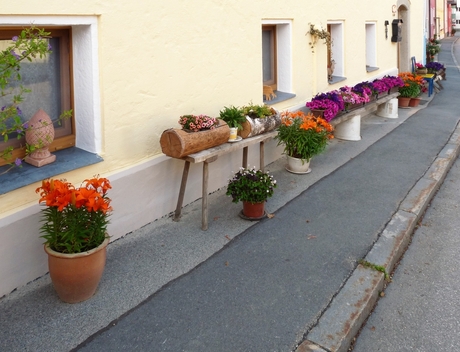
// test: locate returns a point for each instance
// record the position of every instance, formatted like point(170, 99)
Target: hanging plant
point(317, 34)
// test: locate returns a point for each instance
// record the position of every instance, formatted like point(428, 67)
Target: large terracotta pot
point(75, 277)
point(414, 102)
point(403, 102)
point(253, 210)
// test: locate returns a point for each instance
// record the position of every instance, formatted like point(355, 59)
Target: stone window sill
point(280, 96)
point(66, 160)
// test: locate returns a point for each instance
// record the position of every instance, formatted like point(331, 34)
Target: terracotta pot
point(253, 210)
point(297, 165)
point(414, 102)
point(75, 277)
point(403, 102)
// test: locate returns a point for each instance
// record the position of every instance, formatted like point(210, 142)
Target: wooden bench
point(208, 156)
point(347, 125)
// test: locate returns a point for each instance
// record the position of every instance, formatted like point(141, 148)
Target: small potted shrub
point(303, 136)
point(253, 187)
point(234, 118)
point(74, 226)
point(259, 119)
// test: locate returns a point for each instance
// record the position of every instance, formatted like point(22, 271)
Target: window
point(50, 82)
point(269, 55)
point(335, 53)
point(371, 47)
point(277, 58)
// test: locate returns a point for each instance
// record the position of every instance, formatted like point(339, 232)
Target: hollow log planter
point(255, 126)
point(178, 143)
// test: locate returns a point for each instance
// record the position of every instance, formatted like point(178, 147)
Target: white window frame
point(283, 53)
point(337, 47)
point(85, 65)
point(371, 44)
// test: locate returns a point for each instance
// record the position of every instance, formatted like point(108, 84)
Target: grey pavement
point(420, 310)
point(287, 283)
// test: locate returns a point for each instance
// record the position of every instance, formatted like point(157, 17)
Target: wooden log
point(178, 143)
point(255, 126)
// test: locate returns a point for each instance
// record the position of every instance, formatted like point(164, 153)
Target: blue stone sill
point(66, 160)
point(280, 96)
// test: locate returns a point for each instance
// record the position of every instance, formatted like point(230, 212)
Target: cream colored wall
point(160, 60)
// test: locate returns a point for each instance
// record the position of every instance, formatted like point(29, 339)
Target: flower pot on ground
point(303, 135)
point(199, 132)
point(74, 226)
point(414, 102)
point(403, 102)
point(234, 118)
point(259, 119)
point(252, 186)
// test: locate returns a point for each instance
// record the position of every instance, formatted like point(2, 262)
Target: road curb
point(350, 308)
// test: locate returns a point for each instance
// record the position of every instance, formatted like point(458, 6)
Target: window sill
point(66, 160)
point(280, 96)
point(337, 79)
point(371, 68)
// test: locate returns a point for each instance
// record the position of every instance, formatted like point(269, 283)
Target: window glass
point(49, 80)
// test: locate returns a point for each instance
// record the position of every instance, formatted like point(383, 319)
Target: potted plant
point(326, 105)
point(253, 187)
point(74, 226)
point(259, 119)
point(421, 70)
point(303, 136)
point(412, 88)
point(234, 118)
point(198, 132)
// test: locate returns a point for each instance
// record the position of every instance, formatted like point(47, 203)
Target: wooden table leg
point(262, 156)
point(204, 203)
point(245, 157)
point(183, 184)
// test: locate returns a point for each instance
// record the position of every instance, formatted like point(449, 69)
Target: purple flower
point(17, 57)
point(49, 47)
point(15, 38)
point(19, 111)
point(3, 107)
point(18, 162)
point(25, 125)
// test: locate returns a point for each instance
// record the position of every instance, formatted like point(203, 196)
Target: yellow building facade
point(137, 66)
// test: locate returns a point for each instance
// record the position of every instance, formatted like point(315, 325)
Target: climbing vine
point(317, 34)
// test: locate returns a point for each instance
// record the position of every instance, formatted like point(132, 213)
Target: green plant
point(30, 44)
point(376, 267)
point(303, 135)
point(258, 111)
point(197, 123)
point(319, 34)
point(233, 116)
point(251, 185)
point(75, 219)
